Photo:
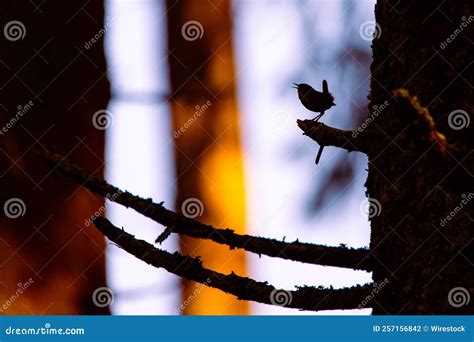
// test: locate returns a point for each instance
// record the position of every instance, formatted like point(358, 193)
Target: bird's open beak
point(295, 85)
point(333, 103)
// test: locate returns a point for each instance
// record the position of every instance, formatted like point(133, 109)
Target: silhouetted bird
point(314, 100)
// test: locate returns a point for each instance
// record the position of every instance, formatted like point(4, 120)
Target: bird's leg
point(316, 119)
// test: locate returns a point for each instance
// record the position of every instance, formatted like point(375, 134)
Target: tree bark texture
point(421, 169)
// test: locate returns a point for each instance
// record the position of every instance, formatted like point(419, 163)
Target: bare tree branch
point(329, 136)
point(305, 298)
point(358, 259)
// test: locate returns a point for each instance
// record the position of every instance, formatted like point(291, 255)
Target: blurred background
point(284, 194)
point(188, 102)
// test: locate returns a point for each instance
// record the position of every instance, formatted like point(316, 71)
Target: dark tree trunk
point(419, 178)
point(47, 69)
point(206, 134)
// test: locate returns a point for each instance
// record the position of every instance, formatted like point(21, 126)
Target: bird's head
point(302, 86)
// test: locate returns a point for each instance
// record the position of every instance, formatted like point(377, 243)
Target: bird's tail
point(325, 87)
point(327, 93)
